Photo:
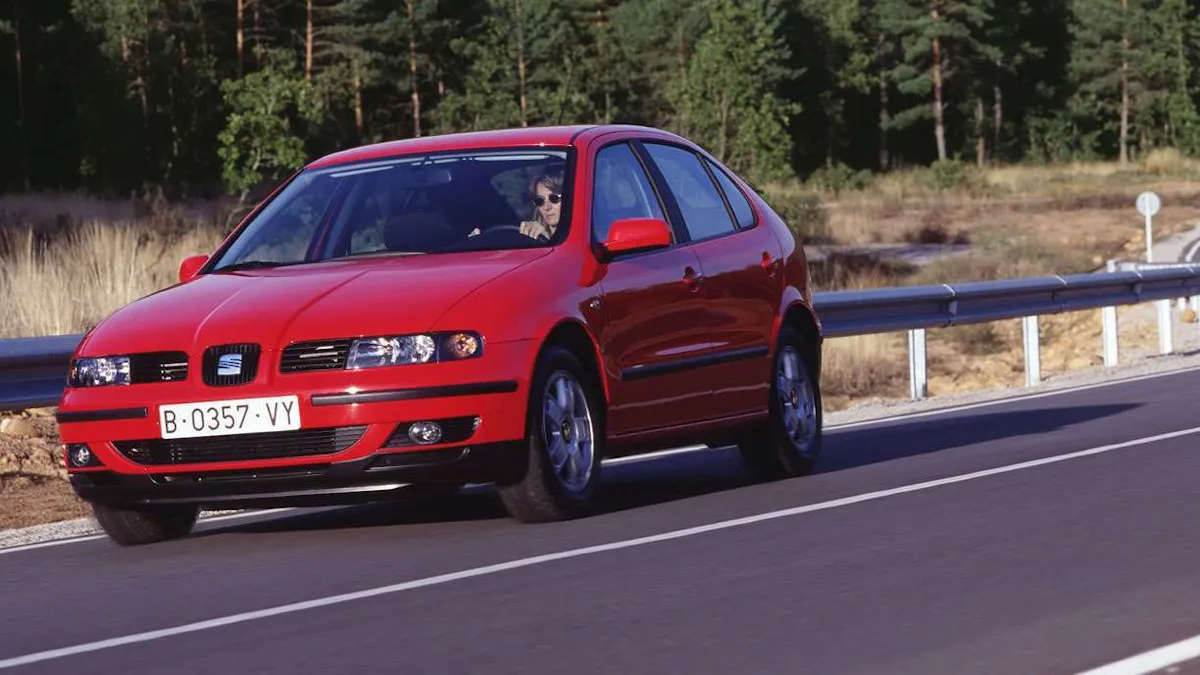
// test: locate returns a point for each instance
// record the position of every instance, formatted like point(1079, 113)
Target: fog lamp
point(424, 433)
point(78, 455)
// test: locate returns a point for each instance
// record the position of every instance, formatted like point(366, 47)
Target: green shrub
point(805, 215)
point(840, 178)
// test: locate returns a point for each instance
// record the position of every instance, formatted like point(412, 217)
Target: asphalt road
point(1048, 535)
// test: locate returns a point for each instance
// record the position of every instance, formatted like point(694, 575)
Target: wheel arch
point(574, 336)
point(802, 318)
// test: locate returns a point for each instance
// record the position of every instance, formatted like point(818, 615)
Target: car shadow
point(883, 441)
point(636, 483)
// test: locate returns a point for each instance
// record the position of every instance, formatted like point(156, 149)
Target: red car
point(505, 307)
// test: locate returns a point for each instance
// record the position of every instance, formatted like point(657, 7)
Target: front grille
point(241, 447)
point(454, 430)
point(226, 365)
point(305, 357)
point(158, 367)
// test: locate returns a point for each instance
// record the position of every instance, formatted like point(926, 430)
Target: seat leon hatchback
point(507, 307)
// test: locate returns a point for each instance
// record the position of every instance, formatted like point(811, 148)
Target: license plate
point(224, 418)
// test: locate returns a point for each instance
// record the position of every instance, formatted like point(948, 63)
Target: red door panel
point(654, 320)
point(742, 296)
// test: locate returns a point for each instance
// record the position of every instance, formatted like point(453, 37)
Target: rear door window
point(704, 211)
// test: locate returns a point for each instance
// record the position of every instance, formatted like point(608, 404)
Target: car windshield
point(431, 203)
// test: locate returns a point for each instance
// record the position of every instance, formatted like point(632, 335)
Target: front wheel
point(788, 443)
point(145, 525)
point(565, 443)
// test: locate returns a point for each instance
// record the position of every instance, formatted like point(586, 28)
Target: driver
point(546, 191)
point(547, 202)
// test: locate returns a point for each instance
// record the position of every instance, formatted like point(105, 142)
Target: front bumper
point(352, 433)
point(367, 479)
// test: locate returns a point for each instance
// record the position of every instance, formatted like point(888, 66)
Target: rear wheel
point(565, 437)
point(788, 443)
point(130, 526)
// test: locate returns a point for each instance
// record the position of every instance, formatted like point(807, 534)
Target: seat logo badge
point(229, 364)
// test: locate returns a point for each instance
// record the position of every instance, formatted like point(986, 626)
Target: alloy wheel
point(568, 431)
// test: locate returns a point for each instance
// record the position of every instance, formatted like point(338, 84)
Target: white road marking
point(1153, 660)
point(1191, 252)
point(562, 555)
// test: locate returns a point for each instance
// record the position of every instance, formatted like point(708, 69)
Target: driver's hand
point(534, 229)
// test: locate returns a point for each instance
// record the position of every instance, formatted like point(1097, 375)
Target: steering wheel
point(515, 228)
point(497, 228)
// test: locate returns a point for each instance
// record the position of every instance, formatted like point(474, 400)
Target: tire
point(137, 526)
point(772, 451)
point(542, 493)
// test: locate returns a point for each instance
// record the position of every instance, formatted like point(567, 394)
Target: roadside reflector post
point(1165, 345)
point(1109, 320)
point(918, 377)
point(1033, 356)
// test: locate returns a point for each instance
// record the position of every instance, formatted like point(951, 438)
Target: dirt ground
point(33, 486)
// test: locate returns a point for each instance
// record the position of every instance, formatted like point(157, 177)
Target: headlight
point(99, 371)
point(397, 350)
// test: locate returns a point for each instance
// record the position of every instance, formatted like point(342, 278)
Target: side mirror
point(190, 265)
point(632, 235)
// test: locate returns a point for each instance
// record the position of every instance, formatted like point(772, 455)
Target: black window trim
point(666, 204)
point(714, 166)
point(676, 211)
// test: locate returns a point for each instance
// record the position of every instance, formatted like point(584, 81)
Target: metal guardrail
point(33, 370)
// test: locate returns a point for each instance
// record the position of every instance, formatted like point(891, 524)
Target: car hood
point(276, 306)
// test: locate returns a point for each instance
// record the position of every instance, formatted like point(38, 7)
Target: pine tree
point(940, 40)
point(729, 98)
point(1111, 65)
point(660, 37)
point(1175, 24)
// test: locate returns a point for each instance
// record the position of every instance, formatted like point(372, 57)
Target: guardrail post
point(1164, 326)
point(918, 377)
point(1033, 356)
point(1109, 320)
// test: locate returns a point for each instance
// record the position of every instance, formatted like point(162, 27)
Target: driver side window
point(620, 190)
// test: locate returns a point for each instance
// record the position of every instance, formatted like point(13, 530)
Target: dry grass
point(863, 366)
point(62, 272)
point(1089, 199)
point(1019, 221)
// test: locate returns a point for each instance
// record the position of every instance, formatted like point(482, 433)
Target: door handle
point(692, 278)
point(769, 264)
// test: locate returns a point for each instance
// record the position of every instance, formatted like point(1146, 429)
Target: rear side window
point(741, 207)
point(621, 190)
point(704, 211)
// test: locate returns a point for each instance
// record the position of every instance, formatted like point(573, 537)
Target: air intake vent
point(158, 367)
point(241, 447)
point(226, 365)
point(306, 357)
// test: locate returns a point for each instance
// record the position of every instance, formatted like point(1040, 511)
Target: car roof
point(561, 136)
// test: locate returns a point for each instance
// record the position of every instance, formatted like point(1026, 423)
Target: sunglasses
point(555, 198)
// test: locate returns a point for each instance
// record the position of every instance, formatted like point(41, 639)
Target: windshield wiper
point(249, 265)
